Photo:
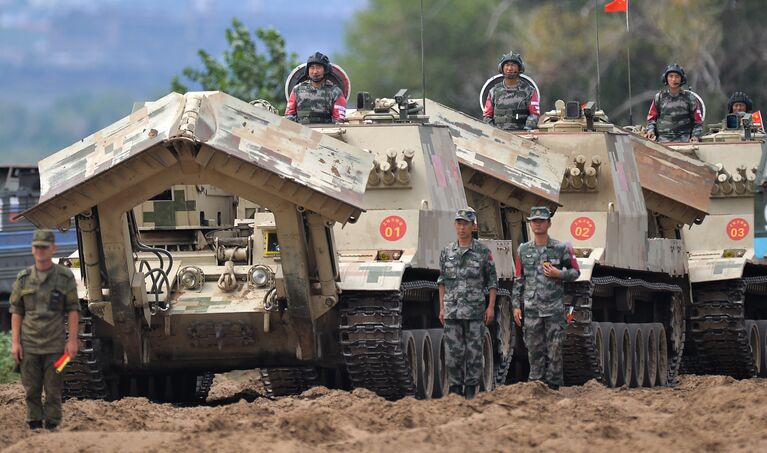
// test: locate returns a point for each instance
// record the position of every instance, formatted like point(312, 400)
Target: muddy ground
point(709, 413)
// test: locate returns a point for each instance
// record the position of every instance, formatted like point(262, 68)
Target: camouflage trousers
point(543, 338)
point(38, 373)
point(463, 341)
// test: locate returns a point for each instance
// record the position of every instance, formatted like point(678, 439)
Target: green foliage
point(244, 72)
point(718, 43)
point(6, 361)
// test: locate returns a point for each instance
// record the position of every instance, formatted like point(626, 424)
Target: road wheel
point(651, 349)
point(596, 329)
point(636, 336)
point(411, 356)
point(488, 368)
point(440, 368)
point(609, 354)
point(763, 346)
point(662, 343)
point(425, 367)
point(625, 356)
point(755, 343)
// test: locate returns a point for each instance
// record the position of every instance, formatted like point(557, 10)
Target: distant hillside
point(70, 67)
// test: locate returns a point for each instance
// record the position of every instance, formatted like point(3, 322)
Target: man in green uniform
point(42, 295)
point(467, 271)
point(543, 266)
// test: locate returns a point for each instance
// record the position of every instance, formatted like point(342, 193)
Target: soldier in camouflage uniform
point(467, 270)
point(513, 104)
point(542, 267)
point(739, 102)
point(42, 295)
point(675, 113)
point(317, 99)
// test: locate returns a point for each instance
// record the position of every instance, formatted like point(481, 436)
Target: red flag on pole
point(617, 6)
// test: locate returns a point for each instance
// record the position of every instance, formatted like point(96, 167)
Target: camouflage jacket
point(675, 118)
point(513, 108)
point(43, 303)
point(307, 104)
point(543, 295)
point(466, 275)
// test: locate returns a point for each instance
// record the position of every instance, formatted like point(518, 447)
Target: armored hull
point(311, 291)
point(623, 199)
point(727, 319)
point(390, 258)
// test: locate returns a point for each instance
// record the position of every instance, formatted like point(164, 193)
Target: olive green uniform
point(43, 299)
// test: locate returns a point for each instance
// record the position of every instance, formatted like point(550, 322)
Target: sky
point(50, 47)
point(71, 67)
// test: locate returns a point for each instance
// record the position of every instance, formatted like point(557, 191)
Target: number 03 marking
point(737, 229)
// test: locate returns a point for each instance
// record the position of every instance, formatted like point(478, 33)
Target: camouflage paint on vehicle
point(207, 138)
point(248, 134)
point(523, 163)
point(727, 317)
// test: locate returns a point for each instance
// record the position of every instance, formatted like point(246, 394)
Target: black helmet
point(318, 58)
point(673, 67)
point(511, 57)
point(740, 96)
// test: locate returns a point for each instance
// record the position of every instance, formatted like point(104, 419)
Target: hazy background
point(70, 67)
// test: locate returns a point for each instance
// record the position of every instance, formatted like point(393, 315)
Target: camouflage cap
point(540, 212)
point(467, 214)
point(43, 238)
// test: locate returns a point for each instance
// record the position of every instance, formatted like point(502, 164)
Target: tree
point(244, 73)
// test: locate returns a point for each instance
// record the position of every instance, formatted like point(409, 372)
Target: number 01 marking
point(392, 228)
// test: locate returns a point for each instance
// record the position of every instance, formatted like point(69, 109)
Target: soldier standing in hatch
point(42, 295)
point(317, 99)
point(675, 114)
point(467, 270)
point(513, 104)
point(542, 267)
point(739, 102)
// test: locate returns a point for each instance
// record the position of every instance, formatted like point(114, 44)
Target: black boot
point(457, 389)
point(553, 386)
point(35, 424)
point(470, 392)
point(51, 425)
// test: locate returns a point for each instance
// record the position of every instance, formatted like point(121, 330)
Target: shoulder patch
point(24, 272)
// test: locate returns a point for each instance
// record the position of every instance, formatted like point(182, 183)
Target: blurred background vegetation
point(6, 362)
point(716, 41)
point(721, 44)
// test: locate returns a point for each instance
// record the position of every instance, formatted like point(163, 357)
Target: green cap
point(540, 212)
point(467, 214)
point(43, 238)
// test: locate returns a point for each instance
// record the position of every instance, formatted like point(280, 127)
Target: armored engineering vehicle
point(625, 201)
point(292, 294)
point(389, 259)
point(153, 325)
point(727, 320)
point(20, 190)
